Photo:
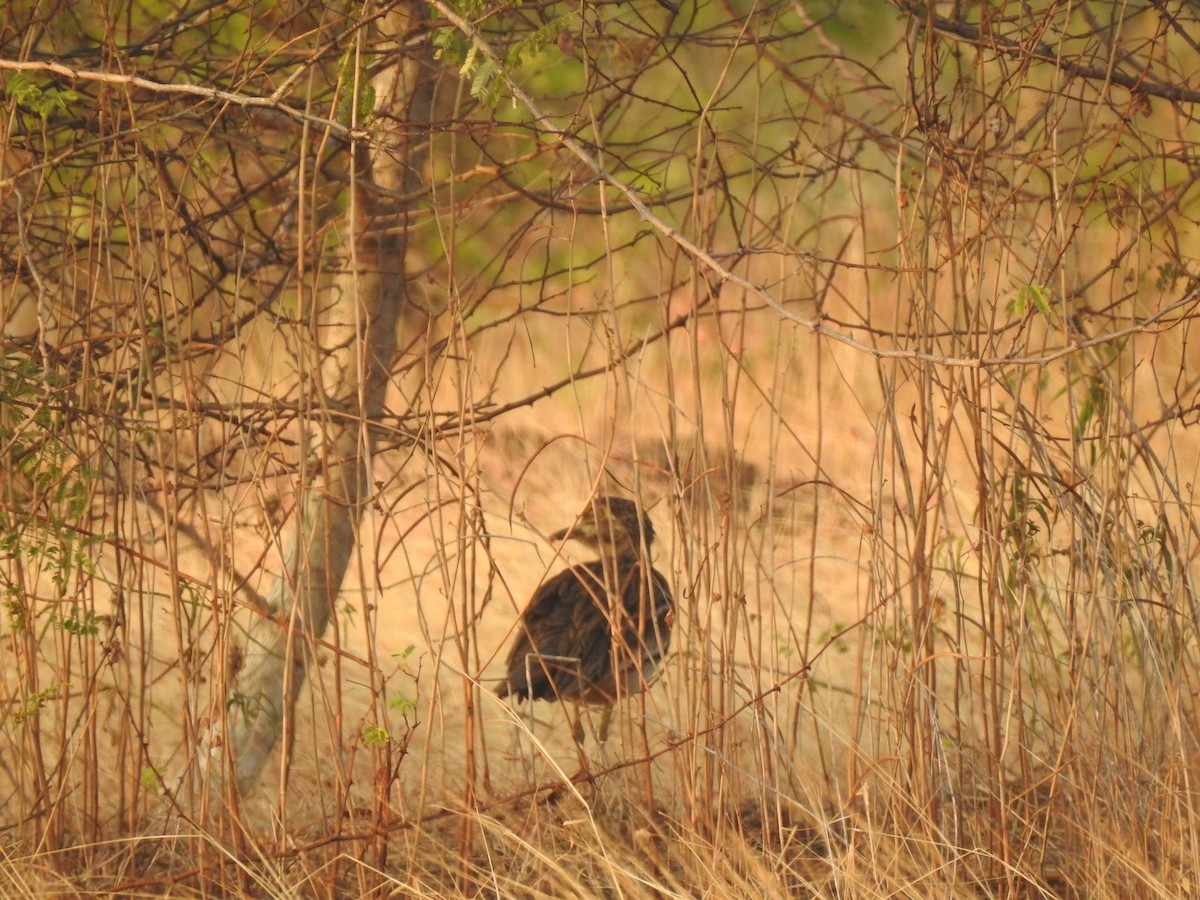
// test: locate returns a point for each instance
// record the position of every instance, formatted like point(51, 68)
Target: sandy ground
point(770, 531)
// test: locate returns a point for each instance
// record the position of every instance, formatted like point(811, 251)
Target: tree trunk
point(356, 345)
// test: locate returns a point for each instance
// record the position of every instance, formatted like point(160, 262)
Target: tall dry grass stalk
point(885, 317)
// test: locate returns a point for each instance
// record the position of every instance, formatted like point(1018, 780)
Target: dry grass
point(936, 625)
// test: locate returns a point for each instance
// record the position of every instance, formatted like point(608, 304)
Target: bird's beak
point(583, 530)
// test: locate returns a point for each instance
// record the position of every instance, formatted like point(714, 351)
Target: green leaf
point(375, 735)
point(1031, 296)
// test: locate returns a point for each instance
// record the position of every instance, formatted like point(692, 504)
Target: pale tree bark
point(354, 345)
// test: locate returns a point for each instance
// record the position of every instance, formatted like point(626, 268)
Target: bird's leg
point(577, 734)
point(602, 731)
point(577, 724)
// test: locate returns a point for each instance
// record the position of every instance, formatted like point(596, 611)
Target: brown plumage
point(564, 647)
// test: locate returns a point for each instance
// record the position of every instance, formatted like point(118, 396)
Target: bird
point(597, 631)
